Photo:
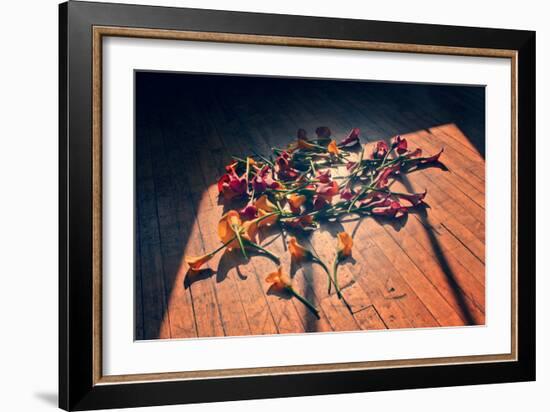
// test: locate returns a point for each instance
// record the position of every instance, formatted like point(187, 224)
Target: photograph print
point(278, 205)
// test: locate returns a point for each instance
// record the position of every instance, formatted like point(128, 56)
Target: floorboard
point(425, 271)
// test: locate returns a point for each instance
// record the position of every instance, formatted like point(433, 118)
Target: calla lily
point(432, 159)
point(249, 212)
point(324, 192)
point(382, 180)
point(319, 202)
point(324, 176)
point(400, 145)
point(300, 253)
point(267, 219)
point(280, 280)
point(352, 139)
point(381, 150)
point(305, 222)
point(264, 180)
point(195, 262)
point(296, 201)
point(345, 244)
point(414, 199)
point(343, 250)
point(231, 185)
point(327, 190)
point(228, 226)
point(424, 160)
point(333, 148)
point(265, 204)
point(283, 167)
point(347, 193)
point(297, 251)
point(227, 236)
point(234, 233)
point(376, 199)
point(393, 209)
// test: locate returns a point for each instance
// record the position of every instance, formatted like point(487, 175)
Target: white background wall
point(28, 202)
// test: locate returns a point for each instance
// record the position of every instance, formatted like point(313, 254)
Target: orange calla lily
point(250, 229)
point(343, 250)
point(265, 204)
point(233, 233)
point(266, 219)
point(333, 148)
point(279, 279)
point(345, 243)
point(195, 262)
point(297, 251)
point(296, 201)
point(227, 226)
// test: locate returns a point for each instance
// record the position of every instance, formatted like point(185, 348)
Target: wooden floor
point(427, 271)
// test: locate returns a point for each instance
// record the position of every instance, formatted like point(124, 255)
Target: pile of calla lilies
point(295, 189)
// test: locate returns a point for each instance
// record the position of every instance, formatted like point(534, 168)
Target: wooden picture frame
point(82, 27)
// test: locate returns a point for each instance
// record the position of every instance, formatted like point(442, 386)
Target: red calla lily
point(384, 175)
point(380, 150)
point(393, 209)
point(324, 176)
point(352, 139)
point(400, 145)
point(414, 198)
point(231, 185)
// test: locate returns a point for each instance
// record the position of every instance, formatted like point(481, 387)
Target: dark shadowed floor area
point(427, 270)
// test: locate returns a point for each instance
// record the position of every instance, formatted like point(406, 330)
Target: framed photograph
point(257, 205)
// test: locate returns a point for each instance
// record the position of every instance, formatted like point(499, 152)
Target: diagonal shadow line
point(312, 324)
point(443, 263)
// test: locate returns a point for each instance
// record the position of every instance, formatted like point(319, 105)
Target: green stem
point(335, 271)
point(304, 301)
point(331, 279)
point(357, 196)
point(222, 246)
point(259, 219)
point(312, 167)
point(240, 239)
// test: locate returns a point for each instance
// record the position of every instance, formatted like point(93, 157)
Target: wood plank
point(369, 319)
point(396, 302)
point(438, 216)
point(156, 320)
point(438, 306)
point(440, 197)
point(454, 283)
point(179, 310)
